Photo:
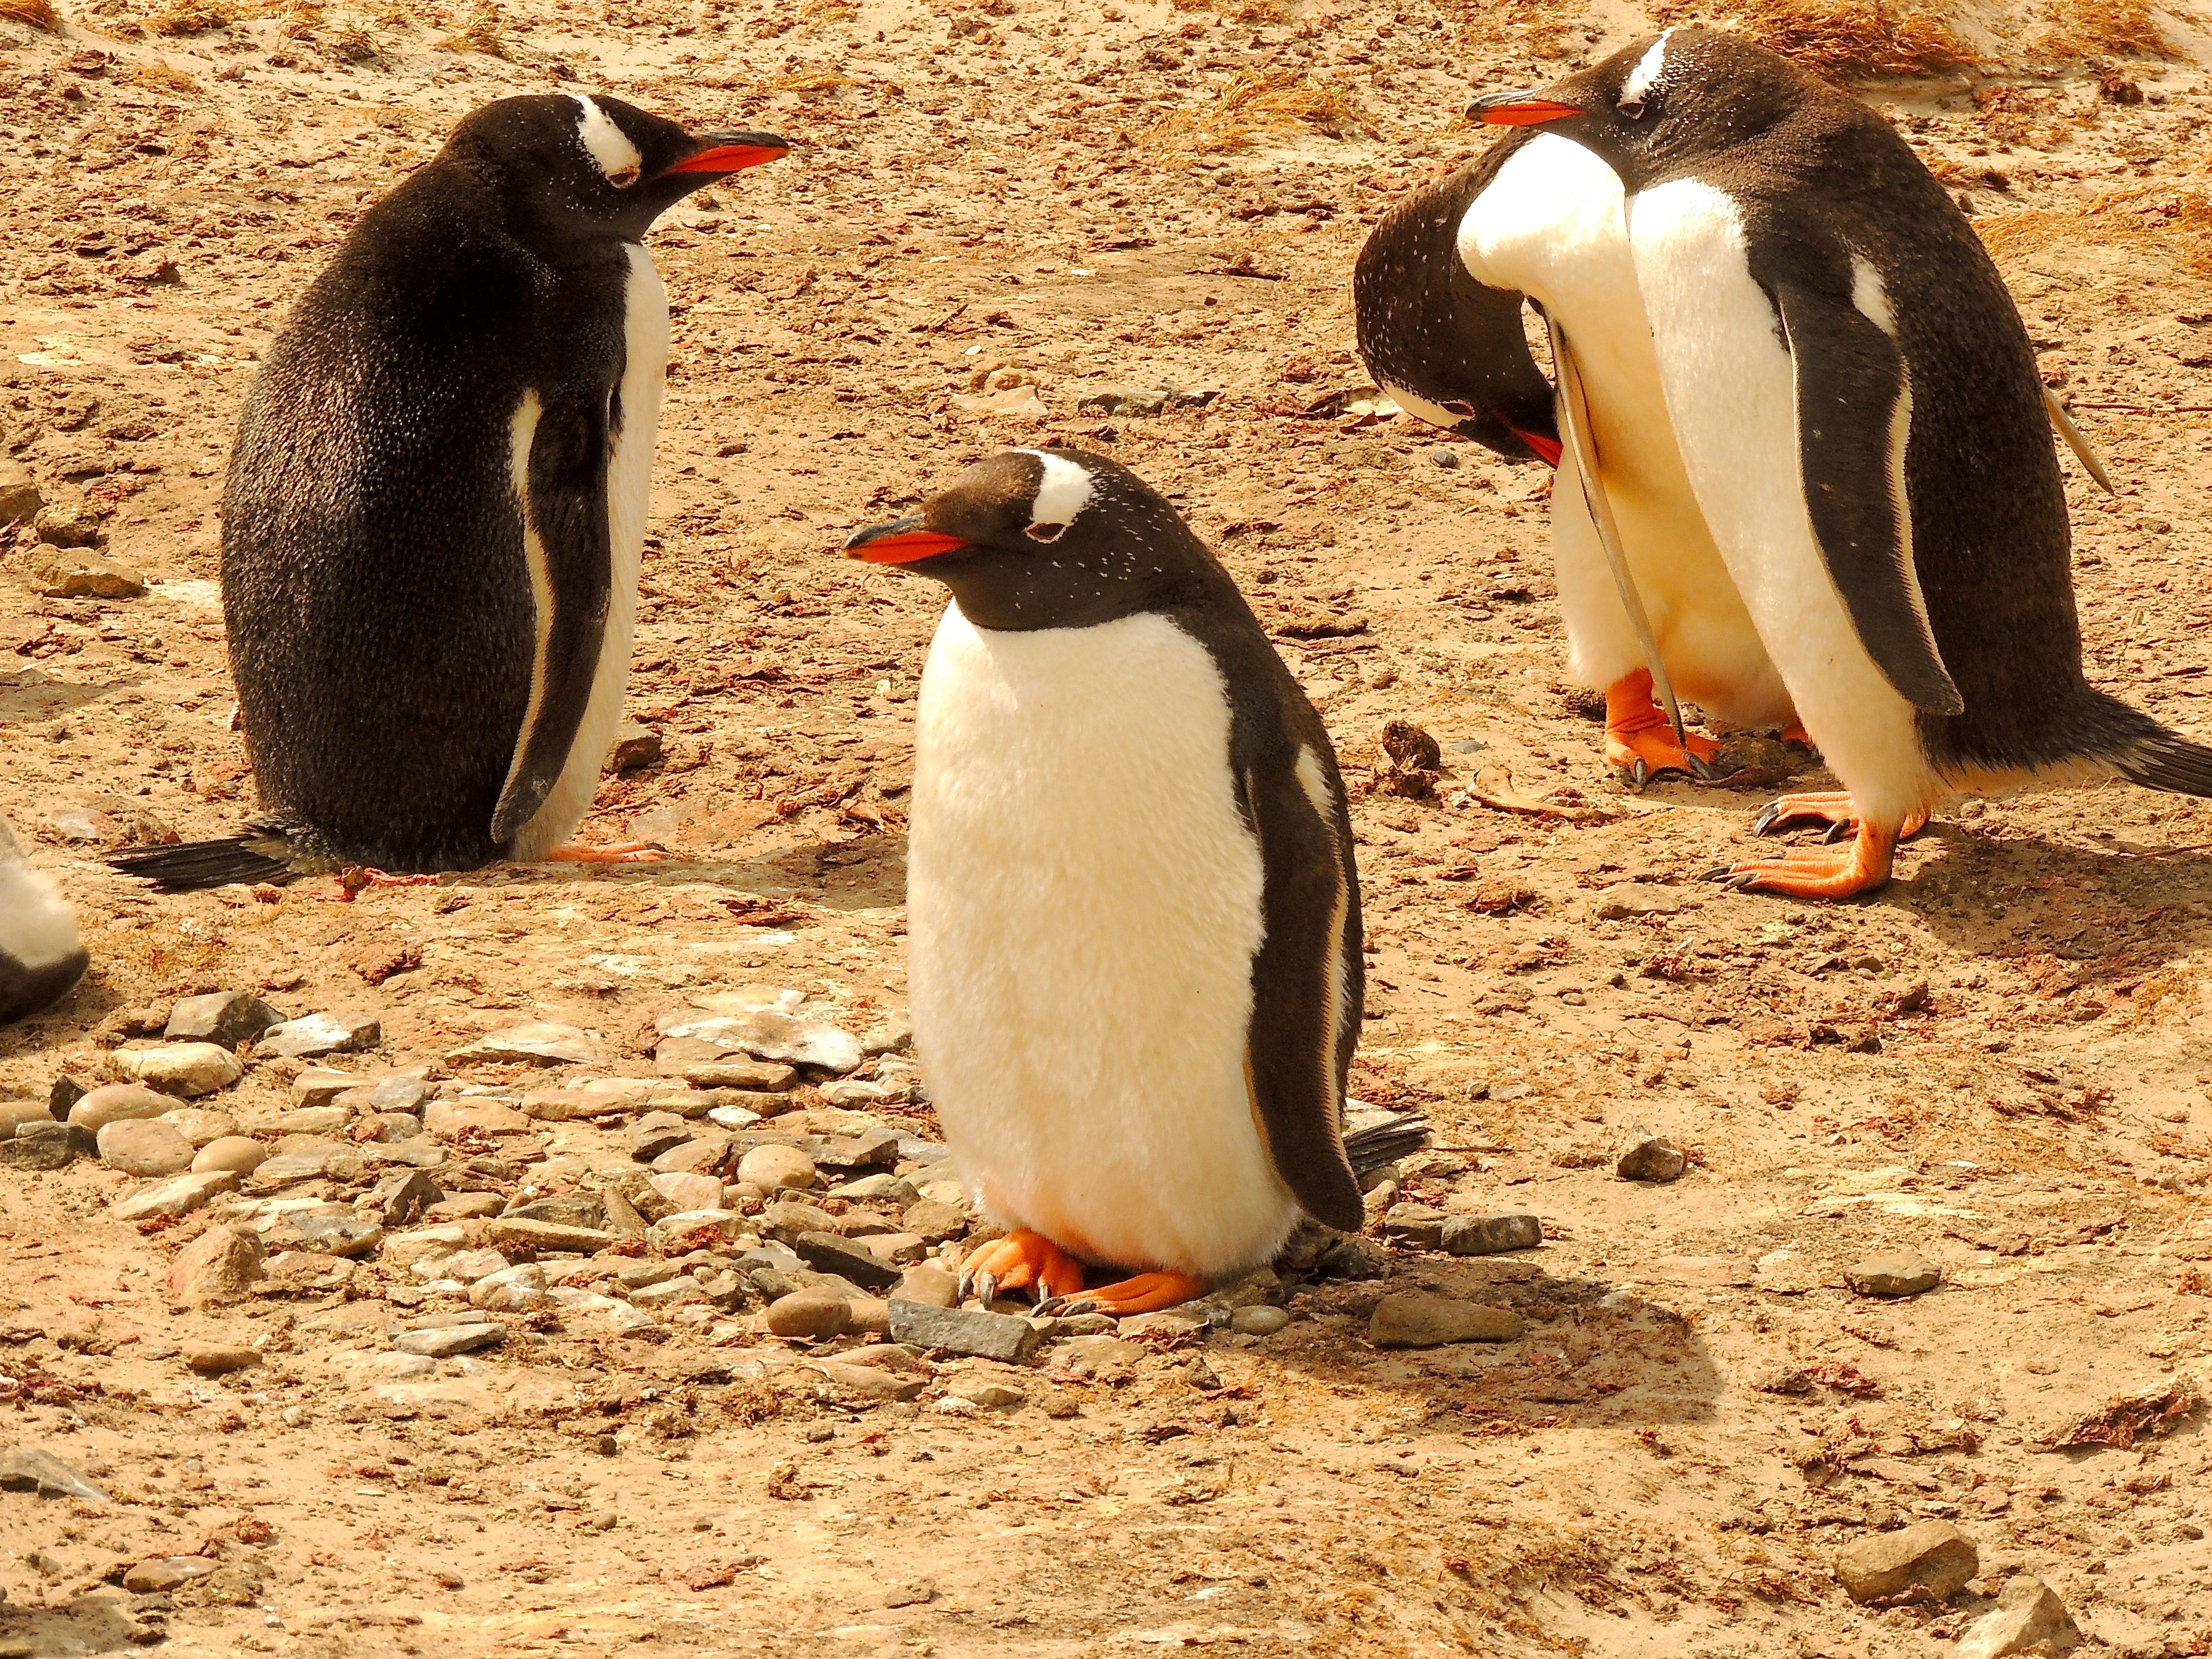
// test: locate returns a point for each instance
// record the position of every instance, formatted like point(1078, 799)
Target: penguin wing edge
point(1854, 415)
point(561, 454)
point(1306, 989)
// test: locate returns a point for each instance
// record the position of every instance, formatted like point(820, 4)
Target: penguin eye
point(623, 179)
point(1632, 108)
point(1047, 533)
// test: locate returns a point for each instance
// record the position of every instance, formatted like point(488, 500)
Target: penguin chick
point(435, 505)
point(41, 955)
point(1134, 918)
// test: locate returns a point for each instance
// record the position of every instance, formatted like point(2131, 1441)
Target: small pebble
point(1260, 1321)
point(810, 1314)
point(775, 1168)
point(1443, 456)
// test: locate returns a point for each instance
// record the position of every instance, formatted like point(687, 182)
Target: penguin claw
point(1639, 774)
point(1719, 872)
point(1702, 769)
point(1839, 831)
point(1764, 823)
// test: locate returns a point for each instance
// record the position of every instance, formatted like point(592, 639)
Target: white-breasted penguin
point(435, 505)
point(41, 957)
point(1133, 926)
point(1825, 414)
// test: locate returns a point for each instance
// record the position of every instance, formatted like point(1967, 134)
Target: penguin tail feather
point(193, 865)
point(1374, 1138)
point(2168, 762)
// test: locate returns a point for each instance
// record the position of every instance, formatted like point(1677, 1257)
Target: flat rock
point(1928, 1561)
point(513, 1233)
point(786, 1219)
point(1627, 899)
point(1650, 1157)
point(316, 1034)
point(220, 1265)
point(969, 1331)
point(668, 1293)
point(145, 1146)
point(830, 1254)
point(178, 1195)
point(690, 1192)
point(877, 1190)
point(404, 1195)
point(165, 1572)
point(511, 1290)
point(448, 1119)
point(1417, 1319)
point(327, 1230)
point(2028, 1617)
point(773, 1168)
point(1092, 1356)
point(331, 1159)
point(80, 573)
point(44, 1146)
point(183, 1069)
point(695, 1155)
point(931, 1285)
point(872, 1382)
point(1490, 1234)
point(444, 1342)
point(1414, 1224)
point(576, 1209)
point(724, 1223)
point(201, 1125)
point(1900, 1273)
point(226, 1018)
point(772, 1034)
point(654, 1134)
point(536, 1043)
point(319, 1085)
point(935, 1220)
point(874, 1148)
point(220, 1359)
point(112, 1103)
point(29, 1469)
point(707, 1065)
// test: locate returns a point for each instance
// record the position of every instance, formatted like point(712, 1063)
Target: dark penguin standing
point(1134, 919)
point(1849, 397)
point(436, 503)
point(40, 955)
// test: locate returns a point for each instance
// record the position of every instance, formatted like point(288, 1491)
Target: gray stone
point(1930, 1561)
point(539, 1042)
point(1351, 1257)
point(1441, 456)
point(703, 1065)
point(585, 1210)
point(27, 1469)
point(514, 1233)
point(1900, 1273)
point(112, 1102)
point(184, 1069)
point(178, 1195)
point(167, 1572)
point(44, 1146)
point(402, 1196)
point(873, 1148)
point(80, 573)
point(311, 1163)
point(1489, 1234)
point(398, 1093)
point(1651, 1157)
point(319, 1085)
point(1627, 899)
point(813, 1315)
point(1258, 1321)
point(228, 1018)
point(786, 1219)
point(445, 1342)
point(145, 1146)
point(1417, 1319)
point(2028, 1617)
point(315, 1034)
point(874, 1189)
point(668, 1293)
point(510, 1290)
point(327, 1120)
point(965, 1331)
point(828, 1253)
point(774, 1167)
point(1414, 1224)
point(654, 1134)
point(327, 1230)
point(773, 1034)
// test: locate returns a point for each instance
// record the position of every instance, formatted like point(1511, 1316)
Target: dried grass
point(1258, 102)
point(191, 17)
point(2071, 30)
point(162, 76)
point(1238, 11)
point(1843, 39)
point(353, 42)
point(33, 14)
point(484, 32)
point(2170, 220)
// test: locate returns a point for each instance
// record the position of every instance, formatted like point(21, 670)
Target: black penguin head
point(1448, 347)
point(1660, 107)
point(1047, 538)
point(588, 166)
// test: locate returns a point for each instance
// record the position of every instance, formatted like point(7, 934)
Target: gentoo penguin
point(41, 957)
point(1819, 427)
point(435, 505)
point(1133, 926)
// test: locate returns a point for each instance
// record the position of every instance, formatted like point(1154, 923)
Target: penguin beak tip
point(903, 541)
point(1520, 109)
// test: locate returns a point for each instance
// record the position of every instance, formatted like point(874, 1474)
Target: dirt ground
point(2000, 1062)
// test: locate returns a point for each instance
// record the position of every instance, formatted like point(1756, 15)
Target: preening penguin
point(41, 955)
point(1134, 918)
point(435, 506)
point(1818, 417)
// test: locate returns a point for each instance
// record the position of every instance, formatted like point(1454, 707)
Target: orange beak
point(733, 152)
point(1521, 109)
point(903, 541)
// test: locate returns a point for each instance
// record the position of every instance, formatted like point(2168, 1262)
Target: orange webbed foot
point(1821, 872)
point(614, 852)
point(1145, 1293)
point(1018, 1260)
point(1640, 741)
point(1833, 807)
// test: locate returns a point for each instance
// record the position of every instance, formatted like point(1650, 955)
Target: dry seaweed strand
point(484, 32)
point(1256, 102)
point(2076, 29)
point(33, 14)
point(1845, 40)
point(2173, 218)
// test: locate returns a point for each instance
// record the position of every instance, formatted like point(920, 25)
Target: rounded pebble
point(776, 1167)
point(112, 1103)
point(1441, 456)
point(144, 1146)
point(240, 1154)
point(1262, 1321)
point(813, 1314)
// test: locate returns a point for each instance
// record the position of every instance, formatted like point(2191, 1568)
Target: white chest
point(1085, 904)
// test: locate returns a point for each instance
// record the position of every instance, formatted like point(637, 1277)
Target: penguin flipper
point(560, 467)
point(1853, 414)
point(1306, 984)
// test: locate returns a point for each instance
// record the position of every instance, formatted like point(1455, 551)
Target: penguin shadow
point(866, 874)
point(2132, 904)
point(84, 1624)
point(1593, 1352)
point(89, 1001)
point(31, 694)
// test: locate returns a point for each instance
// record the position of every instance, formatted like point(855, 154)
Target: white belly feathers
point(1084, 907)
point(629, 484)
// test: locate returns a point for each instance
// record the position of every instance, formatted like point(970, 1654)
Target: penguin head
point(1660, 106)
point(589, 167)
point(1034, 538)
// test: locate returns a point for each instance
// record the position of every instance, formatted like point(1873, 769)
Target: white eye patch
point(607, 143)
point(1064, 491)
point(1641, 79)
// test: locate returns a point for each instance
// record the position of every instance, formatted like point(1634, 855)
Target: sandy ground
point(1999, 1062)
